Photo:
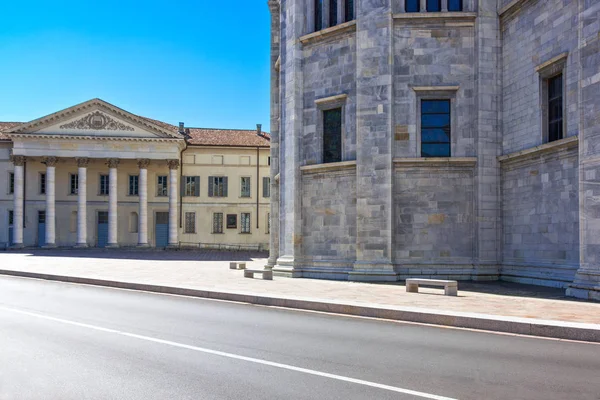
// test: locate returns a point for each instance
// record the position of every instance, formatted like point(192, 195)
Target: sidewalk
point(497, 306)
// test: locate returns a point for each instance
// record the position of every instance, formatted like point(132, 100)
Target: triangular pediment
point(96, 118)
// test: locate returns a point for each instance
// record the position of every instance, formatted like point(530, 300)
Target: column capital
point(143, 163)
point(19, 161)
point(112, 162)
point(82, 162)
point(50, 161)
point(173, 164)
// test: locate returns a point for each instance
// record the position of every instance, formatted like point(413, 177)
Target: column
point(423, 5)
point(50, 201)
point(173, 171)
point(444, 5)
point(143, 195)
point(19, 162)
point(82, 163)
point(113, 221)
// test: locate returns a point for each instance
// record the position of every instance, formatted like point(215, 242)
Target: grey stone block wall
point(329, 217)
point(541, 218)
point(434, 215)
point(531, 35)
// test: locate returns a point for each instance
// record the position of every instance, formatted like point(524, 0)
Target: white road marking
point(233, 356)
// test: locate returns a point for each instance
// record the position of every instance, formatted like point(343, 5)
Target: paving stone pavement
point(210, 270)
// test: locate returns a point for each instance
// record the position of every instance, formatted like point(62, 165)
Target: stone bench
point(450, 287)
point(237, 265)
point(266, 274)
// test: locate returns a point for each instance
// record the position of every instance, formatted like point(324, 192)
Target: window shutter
point(266, 188)
point(197, 186)
point(210, 186)
point(225, 186)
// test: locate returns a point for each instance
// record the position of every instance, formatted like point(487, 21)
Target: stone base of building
point(112, 246)
point(586, 285)
point(143, 246)
point(286, 267)
point(372, 272)
point(49, 246)
point(17, 246)
point(81, 246)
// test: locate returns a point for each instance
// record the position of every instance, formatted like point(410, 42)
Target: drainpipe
point(183, 132)
point(259, 133)
point(24, 197)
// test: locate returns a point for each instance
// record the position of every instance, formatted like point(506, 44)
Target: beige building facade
point(94, 175)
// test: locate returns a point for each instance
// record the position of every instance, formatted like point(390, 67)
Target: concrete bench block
point(266, 274)
point(450, 287)
point(237, 265)
point(232, 265)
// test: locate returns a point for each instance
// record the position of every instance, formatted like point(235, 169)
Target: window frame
point(74, 191)
point(100, 191)
point(191, 186)
point(11, 182)
point(136, 193)
point(242, 229)
point(214, 183)
point(162, 189)
point(450, 136)
point(438, 93)
point(186, 229)
point(42, 183)
point(547, 71)
point(328, 104)
point(235, 224)
point(217, 221)
point(249, 192)
point(266, 187)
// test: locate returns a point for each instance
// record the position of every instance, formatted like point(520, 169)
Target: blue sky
point(202, 62)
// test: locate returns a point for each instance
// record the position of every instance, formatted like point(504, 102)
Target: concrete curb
point(522, 326)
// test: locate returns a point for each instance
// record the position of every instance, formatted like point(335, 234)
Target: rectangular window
point(191, 186)
point(161, 186)
point(11, 182)
point(412, 5)
point(190, 222)
point(349, 10)
point(435, 128)
point(11, 217)
point(245, 222)
point(455, 5)
point(231, 221)
point(74, 184)
point(104, 187)
point(42, 183)
point(134, 183)
point(318, 15)
point(434, 5)
point(217, 186)
point(41, 217)
point(266, 187)
point(218, 223)
point(555, 108)
point(332, 135)
point(245, 186)
point(333, 10)
point(269, 161)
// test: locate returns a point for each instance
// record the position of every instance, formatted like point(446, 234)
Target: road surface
point(66, 341)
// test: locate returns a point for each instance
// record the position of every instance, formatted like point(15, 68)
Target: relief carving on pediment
point(97, 121)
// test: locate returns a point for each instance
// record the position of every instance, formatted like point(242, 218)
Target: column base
point(49, 246)
point(17, 246)
point(586, 285)
point(81, 246)
point(173, 246)
point(286, 267)
point(143, 246)
point(365, 271)
point(271, 262)
point(112, 246)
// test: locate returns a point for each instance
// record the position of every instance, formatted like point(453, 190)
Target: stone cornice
point(566, 143)
point(436, 161)
point(328, 32)
point(447, 18)
point(102, 138)
point(435, 88)
point(329, 167)
point(514, 5)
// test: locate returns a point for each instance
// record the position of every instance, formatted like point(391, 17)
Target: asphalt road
point(66, 341)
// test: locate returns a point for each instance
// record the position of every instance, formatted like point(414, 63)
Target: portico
point(116, 150)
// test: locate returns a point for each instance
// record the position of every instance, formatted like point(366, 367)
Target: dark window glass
point(333, 9)
point(162, 186)
point(332, 135)
point(42, 183)
point(412, 5)
point(41, 217)
point(11, 183)
point(434, 5)
point(349, 10)
point(435, 128)
point(102, 217)
point(318, 15)
point(231, 221)
point(134, 185)
point(217, 186)
point(11, 217)
point(74, 184)
point(555, 108)
point(455, 5)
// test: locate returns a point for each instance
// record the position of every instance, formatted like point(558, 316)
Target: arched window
point(133, 222)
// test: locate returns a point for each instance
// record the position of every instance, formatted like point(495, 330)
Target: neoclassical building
point(437, 138)
point(94, 175)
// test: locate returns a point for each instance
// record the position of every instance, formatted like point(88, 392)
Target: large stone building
point(446, 138)
point(94, 175)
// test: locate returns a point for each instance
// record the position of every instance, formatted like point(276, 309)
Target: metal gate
point(102, 228)
point(162, 229)
point(41, 228)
